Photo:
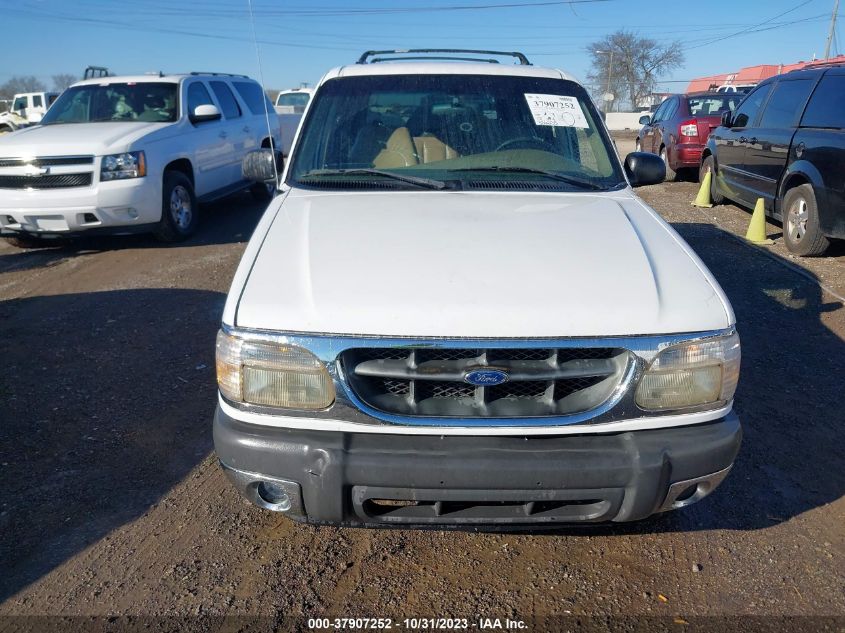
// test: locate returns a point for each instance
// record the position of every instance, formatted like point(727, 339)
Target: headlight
point(691, 375)
point(120, 166)
point(271, 374)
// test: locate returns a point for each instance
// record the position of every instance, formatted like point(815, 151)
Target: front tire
point(263, 192)
point(710, 164)
point(179, 209)
point(801, 231)
point(671, 174)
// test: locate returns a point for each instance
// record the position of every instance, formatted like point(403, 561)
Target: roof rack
point(196, 72)
point(376, 60)
point(523, 60)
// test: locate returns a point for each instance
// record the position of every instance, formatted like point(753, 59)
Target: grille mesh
point(429, 381)
point(50, 181)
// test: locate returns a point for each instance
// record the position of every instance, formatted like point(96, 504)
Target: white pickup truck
point(26, 109)
point(132, 154)
point(458, 312)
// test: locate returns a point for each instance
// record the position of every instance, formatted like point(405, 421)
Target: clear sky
point(300, 40)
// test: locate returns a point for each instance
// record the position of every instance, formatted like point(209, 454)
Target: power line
point(779, 15)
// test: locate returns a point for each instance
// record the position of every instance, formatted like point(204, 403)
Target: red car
point(679, 128)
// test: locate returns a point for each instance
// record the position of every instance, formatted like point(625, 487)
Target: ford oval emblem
point(485, 377)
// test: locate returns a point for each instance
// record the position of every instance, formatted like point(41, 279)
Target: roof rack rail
point(376, 60)
point(523, 60)
point(198, 72)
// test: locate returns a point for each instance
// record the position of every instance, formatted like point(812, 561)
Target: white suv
point(132, 154)
point(458, 311)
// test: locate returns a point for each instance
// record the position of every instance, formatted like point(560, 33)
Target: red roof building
point(752, 75)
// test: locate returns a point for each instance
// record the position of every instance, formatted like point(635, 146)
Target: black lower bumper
point(378, 479)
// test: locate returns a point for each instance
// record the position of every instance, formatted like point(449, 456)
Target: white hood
point(469, 264)
point(109, 137)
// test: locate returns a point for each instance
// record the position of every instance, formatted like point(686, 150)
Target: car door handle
point(246, 128)
point(223, 134)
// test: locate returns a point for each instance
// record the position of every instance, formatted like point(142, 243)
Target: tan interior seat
point(399, 151)
point(431, 149)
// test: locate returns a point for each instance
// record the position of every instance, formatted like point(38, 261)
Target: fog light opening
point(89, 218)
point(274, 496)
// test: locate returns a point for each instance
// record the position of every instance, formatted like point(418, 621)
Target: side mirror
point(643, 168)
point(726, 118)
point(261, 165)
point(204, 113)
point(645, 120)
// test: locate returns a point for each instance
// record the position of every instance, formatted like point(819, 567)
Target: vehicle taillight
point(689, 128)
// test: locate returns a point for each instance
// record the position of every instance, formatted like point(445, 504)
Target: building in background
point(752, 75)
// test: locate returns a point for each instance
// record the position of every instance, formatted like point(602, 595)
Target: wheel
point(709, 164)
point(801, 232)
point(670, 173)
point(638, 147)
point(179, 211)
point(263, 192)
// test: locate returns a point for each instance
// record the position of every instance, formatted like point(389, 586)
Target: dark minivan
point(785, 143)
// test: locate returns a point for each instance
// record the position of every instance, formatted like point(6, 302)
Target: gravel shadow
point(107, 400)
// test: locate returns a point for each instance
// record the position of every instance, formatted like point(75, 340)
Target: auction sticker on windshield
point(557, 110)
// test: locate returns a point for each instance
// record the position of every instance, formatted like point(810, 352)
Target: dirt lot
point(113, 504)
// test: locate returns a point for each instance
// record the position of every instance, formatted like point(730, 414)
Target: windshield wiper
point(585, 184)
point(428, 183)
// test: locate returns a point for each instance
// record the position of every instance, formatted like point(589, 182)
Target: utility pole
point(832, 31)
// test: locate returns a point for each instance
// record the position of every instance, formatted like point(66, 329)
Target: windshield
point(154, 102)
point(713, 105)
point(454, 128)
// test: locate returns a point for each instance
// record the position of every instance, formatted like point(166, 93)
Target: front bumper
point(116, 207)
point(368, 479)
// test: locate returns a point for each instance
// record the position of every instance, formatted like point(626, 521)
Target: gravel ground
point(113, 506)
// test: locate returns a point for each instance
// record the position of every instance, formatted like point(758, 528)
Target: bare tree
point(63, 81)
point(20, 84)
point(638, 62)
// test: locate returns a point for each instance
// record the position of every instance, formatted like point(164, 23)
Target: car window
point(825, 109)
point(670, 109)
point(19, 104)
point(467, 128)
point(131, 101)
point(37, 102)
point(198, 95)
point(786, 103)
point(228, 103)
point(51, 99)
point(658, 115)
point(253, 96)
point(712, 105)
point(747, 111)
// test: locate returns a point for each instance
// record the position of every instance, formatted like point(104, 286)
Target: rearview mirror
point(726, 118)
point(261, 165)
point(643, 168)
point(205, 112)
point(645, 120)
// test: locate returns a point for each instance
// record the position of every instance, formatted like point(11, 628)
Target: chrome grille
point(428, 381)
point(47, 161)
point(47, 181)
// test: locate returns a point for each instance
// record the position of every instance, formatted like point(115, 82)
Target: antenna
point(261, 79)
